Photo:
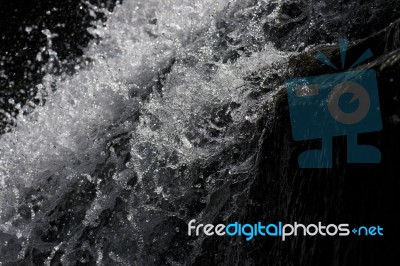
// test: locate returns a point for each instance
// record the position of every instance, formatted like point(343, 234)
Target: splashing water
point(157, 123)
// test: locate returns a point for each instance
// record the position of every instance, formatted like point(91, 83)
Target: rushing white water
point(154, 79)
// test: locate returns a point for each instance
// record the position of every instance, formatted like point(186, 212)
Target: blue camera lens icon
point(341, 104)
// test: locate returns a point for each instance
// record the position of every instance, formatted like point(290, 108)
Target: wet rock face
point(299, 24)
point(357, 194)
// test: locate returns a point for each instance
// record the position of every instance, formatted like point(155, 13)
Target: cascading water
point(176, 111)
point(145, 137)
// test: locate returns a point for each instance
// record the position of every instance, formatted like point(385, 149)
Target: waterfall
point(151, 132)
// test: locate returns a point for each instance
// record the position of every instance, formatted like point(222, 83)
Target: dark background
point(19, 69)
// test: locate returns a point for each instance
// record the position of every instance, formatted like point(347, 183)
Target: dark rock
point(355, 194)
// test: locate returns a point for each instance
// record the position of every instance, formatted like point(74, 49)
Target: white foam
point(198, 113)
